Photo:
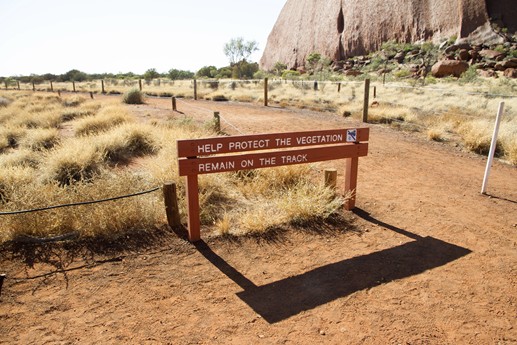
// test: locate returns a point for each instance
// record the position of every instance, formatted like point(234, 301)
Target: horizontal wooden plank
point(217, 164)
point(243, 143)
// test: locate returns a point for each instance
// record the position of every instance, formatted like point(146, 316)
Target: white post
point(492, 147)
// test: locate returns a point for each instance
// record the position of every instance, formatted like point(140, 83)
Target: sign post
point(202, 156)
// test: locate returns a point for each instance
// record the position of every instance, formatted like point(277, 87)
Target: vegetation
point(106, 154)
point(134, 96)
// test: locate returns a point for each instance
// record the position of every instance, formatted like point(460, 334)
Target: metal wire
point(79, 203)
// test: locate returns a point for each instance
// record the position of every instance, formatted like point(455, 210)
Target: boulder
point(352, 73)
point(340, 29)
point(447, 68)
point(510, 73)
point(487, 73)
point(490, 54)
point(399, 57)
point(464, 55)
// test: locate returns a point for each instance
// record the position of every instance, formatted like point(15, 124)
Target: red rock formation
point(342, 28)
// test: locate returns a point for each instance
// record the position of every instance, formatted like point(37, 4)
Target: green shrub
point(288, 74)
point(133, 96)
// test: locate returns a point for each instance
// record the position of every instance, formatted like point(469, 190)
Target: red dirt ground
point(427, 259)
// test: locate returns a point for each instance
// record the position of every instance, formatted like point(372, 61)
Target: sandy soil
point(426, 259)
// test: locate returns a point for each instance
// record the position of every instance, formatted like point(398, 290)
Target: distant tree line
point(236, 50)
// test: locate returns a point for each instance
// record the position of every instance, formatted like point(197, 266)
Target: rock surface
point(339, 29)
point(447, 68)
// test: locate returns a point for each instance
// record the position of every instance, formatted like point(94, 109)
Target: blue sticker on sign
point(351, 135)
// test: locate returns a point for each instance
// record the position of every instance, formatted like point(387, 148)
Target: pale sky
point(112, 36)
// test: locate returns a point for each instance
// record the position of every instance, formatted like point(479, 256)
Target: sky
point(119, 36)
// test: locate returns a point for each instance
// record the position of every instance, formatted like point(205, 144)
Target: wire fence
point(80, 203)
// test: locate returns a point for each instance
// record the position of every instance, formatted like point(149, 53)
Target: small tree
point(238, 52)
point(207, 72)
point(151, 74)
point(279, 68)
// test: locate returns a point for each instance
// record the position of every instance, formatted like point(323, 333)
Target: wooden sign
point(199, 156)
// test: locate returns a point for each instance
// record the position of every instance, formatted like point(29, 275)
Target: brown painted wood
point(194, 223)
point(351, 181)
point(243, 143)
point(218, 164)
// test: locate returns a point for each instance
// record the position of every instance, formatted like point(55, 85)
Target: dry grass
point(125, 142)
point(39, 167)
point(105, 119)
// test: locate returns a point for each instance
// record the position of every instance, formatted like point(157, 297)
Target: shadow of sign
point(282, 299)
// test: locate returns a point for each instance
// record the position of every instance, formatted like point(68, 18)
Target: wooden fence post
point(33, 87)
point(140, 84)
point(338, 87)
point(170, 198)
point(351, 181)
point(265, 91)
point(73, 85)
point(51, 86)
point(331, 178)
point(18, 83)
point(217, 122)
point(102, 85)
point(374, 92)
point(174, 104)
point(195, 90)
point(91, 94)
point(315, 85)
point(384, 72)
point(366, 99)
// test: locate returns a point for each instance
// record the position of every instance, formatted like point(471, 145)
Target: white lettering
point(214, 167)
point(294, 159)
point(267, 161)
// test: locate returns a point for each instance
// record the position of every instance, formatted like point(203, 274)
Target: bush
point(288, 74)
point(4, 102)
point(133, 96)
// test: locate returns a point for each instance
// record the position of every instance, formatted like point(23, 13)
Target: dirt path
point(431, 261)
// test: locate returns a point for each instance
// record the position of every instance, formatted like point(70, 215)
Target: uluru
point(339, 29)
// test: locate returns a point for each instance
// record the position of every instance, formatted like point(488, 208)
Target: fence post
point(492, 147)
point(265, 91)
point(338, 87)
point(174, 104)
point(73, 85)
point(366, 99)
point(170, 198)
point(140, 84)
point(217, 122)
point(102, 85)
point(91, 94)
point(18, 83)
point(384, 72)
point(351, 181)
point(195, 90)
point(331, 178)
point(315, 85)
point(374, 92)
point(33, 87)
point(51, 86)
